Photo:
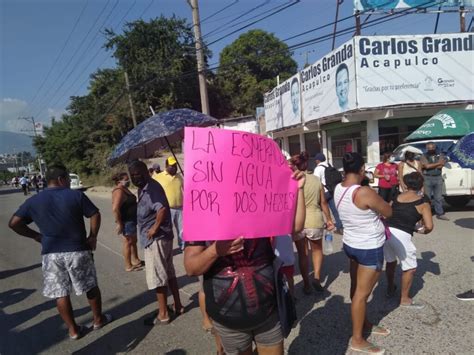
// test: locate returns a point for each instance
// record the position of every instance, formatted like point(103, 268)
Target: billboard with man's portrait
point(328, 86)
point(283, 105)
point(382, 5)
point(397, 70)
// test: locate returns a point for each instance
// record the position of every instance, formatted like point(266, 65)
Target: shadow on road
point(9, 273)
point(465, 223)
point(325, 330)
point(125, 337)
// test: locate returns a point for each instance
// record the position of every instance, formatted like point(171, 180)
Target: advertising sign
point(395, 70)
point(236, 184)
point(328, 86)
point(368, 5)
point(283, 104)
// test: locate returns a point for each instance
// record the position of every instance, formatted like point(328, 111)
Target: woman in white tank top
point(364, 235)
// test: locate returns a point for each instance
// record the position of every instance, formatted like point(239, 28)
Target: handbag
point(285, 302)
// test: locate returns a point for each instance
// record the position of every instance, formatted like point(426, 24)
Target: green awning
point(449, 123)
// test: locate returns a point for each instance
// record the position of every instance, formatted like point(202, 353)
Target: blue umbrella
point(463, 152)
point(156, 132)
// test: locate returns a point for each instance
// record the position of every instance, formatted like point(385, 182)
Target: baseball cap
point(171, 161)
point(156, 166)
point(320, 157)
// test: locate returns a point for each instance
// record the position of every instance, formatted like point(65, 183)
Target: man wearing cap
point(319, 171)
point(172, 183)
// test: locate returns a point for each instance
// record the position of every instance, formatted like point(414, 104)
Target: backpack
point(332, 177)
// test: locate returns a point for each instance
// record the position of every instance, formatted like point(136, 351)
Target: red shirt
point(390, 173)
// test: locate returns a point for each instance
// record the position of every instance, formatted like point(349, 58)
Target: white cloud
point(11, 109)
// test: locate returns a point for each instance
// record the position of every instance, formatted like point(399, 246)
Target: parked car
point(458, 186)
point(76, 183)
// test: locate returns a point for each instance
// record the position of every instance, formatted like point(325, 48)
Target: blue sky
point(34, 32)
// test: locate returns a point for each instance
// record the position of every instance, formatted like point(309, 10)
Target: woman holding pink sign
point(239, 286)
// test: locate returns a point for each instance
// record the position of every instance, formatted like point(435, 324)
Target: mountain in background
point(15, 142)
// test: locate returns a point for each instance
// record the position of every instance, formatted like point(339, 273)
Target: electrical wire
point(59, 54)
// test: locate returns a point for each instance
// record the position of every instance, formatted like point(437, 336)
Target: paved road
point(29, 323)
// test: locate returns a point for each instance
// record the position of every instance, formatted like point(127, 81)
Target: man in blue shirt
point(156, 238)
point(66, 249)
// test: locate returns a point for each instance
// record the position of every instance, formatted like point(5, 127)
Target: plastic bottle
point(327, 247)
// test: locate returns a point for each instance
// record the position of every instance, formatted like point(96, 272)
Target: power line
point(60, 52)
point(95, 56)
point(146, 8)
point(219, 11)
point(242, 15)
point(72, 58)
point(254, 22)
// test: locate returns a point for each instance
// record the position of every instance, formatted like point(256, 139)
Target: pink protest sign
point(235, 184)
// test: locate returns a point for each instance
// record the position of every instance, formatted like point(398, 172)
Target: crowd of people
point(239, 289)
point(26, 183)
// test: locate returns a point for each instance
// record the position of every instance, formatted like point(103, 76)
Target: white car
point(458, 182)
point(76, 183)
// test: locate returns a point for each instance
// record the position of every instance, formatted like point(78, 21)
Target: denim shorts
point(129, 228)
point(371, 258)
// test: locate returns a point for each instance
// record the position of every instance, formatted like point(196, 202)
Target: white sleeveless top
point(363, 229)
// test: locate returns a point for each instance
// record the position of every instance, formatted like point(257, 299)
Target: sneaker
point(442, 217)
point(317, 286)
point(466, 296)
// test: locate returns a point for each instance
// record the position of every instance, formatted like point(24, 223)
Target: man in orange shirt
point(172, 183)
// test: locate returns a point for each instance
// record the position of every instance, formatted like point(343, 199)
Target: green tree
point(248, 68)
point(159, 57)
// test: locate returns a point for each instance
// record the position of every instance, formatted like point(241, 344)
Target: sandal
point(152, 321)
point(136, 267)
point(366, 349)
point(107, 319)
point(377, 330)
point(413, 305)
point(81, 330)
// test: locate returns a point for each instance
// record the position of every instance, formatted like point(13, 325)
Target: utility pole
point(32, 120)
point(338, 3)
point(200, 56)
point(462, 18)
point(132, 111)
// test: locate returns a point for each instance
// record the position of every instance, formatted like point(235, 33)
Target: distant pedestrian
point(433, 162)
point(67, 252)
point(172, 183)
point(24, 182)
point(313, 232)
point(35, 183)
point(156, 237)
point(321, 166)
point(387, 173)
point(408, 209)
point(124, 208)
point(364, 236)
point(409, 165)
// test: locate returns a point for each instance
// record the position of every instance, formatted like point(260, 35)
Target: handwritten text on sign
point(236, 184)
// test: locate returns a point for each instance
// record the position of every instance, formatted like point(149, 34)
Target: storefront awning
point(449, 123)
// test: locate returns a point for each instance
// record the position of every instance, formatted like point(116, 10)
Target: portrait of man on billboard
point(295, 97)
point(342, 86)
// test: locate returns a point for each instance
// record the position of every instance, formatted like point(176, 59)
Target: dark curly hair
point(300, 161)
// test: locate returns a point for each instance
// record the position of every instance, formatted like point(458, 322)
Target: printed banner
point(368, 5)
point(283, 104)
point(328, 86)
point(395, 70)
point(235, 184)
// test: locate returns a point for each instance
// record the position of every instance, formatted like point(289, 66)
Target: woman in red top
point(387, 173)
